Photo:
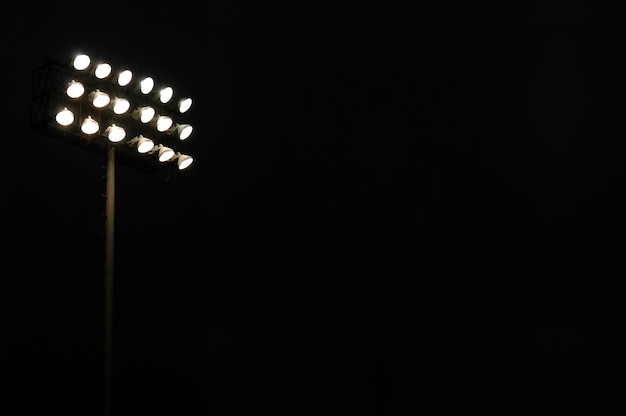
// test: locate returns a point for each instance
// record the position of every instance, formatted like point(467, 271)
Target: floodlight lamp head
point(164, 123)
point(89, 126)
point(81, 62)
point(120, 105)
point(115, 133)
point(146, 85)
point(184, 104)
point(182, 131)
point(144, 114)
point(100, 99)
point(103, 70)
point(75, 89)
point(182, 161)
point(143, 144)
point(65, 117)
point(165, 95)
point(164, 153)
point(124, 77)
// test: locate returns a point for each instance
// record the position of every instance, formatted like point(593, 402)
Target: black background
point(395, 209)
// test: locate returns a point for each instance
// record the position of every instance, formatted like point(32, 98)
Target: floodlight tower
point(133, 122)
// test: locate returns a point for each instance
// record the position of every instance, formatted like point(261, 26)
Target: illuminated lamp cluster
point(137, 114)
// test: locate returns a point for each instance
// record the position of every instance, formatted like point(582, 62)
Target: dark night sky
point(405, 209)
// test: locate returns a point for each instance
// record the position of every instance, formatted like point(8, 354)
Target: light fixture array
point(100, 103)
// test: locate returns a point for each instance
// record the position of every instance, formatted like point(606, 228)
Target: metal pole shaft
point(108, 280)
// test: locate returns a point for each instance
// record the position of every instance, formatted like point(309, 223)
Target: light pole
point(87, 104)
point(108, 280)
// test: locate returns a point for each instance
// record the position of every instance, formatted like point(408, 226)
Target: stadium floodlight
point(163, 123)
point(100, 99)
point(143, 144)
point(183, 161)
point(92, 101)
point(120, 105)
point(65, 117)
point(89, 126)
point(145, 114)
point(115, 133)
point(146, 85)
point(81, 62)
point(125, 77)
point(81, 104)
point(164, 153)
point(184, 104)
point(103, 70)
point(75, 89)
point(182, 131)
point(166, 94)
